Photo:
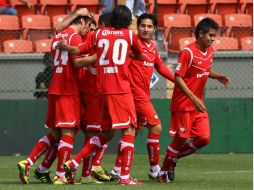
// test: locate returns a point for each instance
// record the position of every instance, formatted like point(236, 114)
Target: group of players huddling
point(101, 84)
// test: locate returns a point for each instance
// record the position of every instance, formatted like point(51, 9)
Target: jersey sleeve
point(184, 62)
point(162, 69)
point(75, 40)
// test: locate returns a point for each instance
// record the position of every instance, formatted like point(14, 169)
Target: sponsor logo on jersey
point(202, 75)
point(108, 32)
point(178, 67)
point(199, 62)
point(148, 64)
point(60, 35)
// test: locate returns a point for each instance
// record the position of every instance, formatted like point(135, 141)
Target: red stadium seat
point(247, 7)
point(92, 6)
point(224, 7)
point(36, 27)
point(9, 27)
point(238, 25)
point(247, 43)
point(54, 7)
point(17, 46)
point(183, 42)
point(177, 26)
point(193, 7)
point(225, 44)
point(96, 17)
point(149, 6)
point(216, 17)
point(57, 19)
point(166, 7)
point(23, 9)
point(43, 46)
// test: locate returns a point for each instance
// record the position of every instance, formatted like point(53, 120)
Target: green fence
point(22, 124)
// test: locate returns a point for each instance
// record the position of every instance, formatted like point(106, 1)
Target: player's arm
point(84, 61)
point(223, 79)
point(199, 105)
point(67, 20)
point(28, 4)
point(162, 69)
point(62, 45)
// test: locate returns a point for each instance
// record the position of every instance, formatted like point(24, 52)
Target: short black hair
point(106, 19)
point(121, 17)
point(147, 16)
point(205, 25)
point(78, 19)
point(93, 22)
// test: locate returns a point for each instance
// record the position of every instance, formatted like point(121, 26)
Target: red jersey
point(3, 3)
point(112, 48)
point(194, 66)
point(141, 71)
point(87, 75)
point(65, 77)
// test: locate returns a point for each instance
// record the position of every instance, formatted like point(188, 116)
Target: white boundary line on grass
point(227, 172)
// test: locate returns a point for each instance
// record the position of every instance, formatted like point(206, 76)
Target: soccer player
point(63, 114)
point(117, 110)
point(89, 103)
point(189, 119)
point(140, 76)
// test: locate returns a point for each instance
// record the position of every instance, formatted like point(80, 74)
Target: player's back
point(113, 47)
point(65, 79)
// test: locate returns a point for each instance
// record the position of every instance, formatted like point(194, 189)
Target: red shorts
point(90, 109)
point(117, 111)
point(146, 114)
point(63, 111)
point(187, 124)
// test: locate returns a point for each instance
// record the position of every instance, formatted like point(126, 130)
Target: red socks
point(127, 153)
point(153, 148)
point(64, 153)
point(43, 144)
point(99, 155)
point(50, 156)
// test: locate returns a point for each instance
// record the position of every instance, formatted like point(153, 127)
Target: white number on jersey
point(120, 47)
point(59, 55)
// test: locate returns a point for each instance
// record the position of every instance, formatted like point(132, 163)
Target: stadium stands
point(177, 26)
point(9, 28)
point(247, 7)
point(166, 7)
point(92, 6)
point(36, 27)
point(54, 7)
point(23, 9)
point(43, 46)
point(183, 42)
point(57, 19)
point(225, 44)
point(17, 46)
point(238, 25)
point(247, 43)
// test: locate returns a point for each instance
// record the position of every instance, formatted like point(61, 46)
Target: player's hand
point(62, 45)
point(30, 5)
point(83, 12)
point(224, 79)
point(199, 105)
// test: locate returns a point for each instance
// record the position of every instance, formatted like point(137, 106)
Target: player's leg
point(153, 149)
point(43, 144)
point(115, 173)
point(42, 172)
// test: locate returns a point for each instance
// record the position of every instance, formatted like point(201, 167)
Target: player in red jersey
point(63, 102)
point(117, 110)
point(140, 76)
point(189, 119)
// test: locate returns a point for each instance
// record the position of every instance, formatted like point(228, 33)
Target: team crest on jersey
point(181, 129)
point(178, 67)
point(199, 62)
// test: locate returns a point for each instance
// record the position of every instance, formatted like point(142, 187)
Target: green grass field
point(197, 172)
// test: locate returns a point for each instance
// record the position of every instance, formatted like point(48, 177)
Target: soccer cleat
point(163, 178)
point(43, 177)
point(60, 180)
point(114, 176)
point(69, 172)
point(24, 171)
point(171, 172)
point(90, 179)
point(100, 174)
point(129, 181)
point(153, 175)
